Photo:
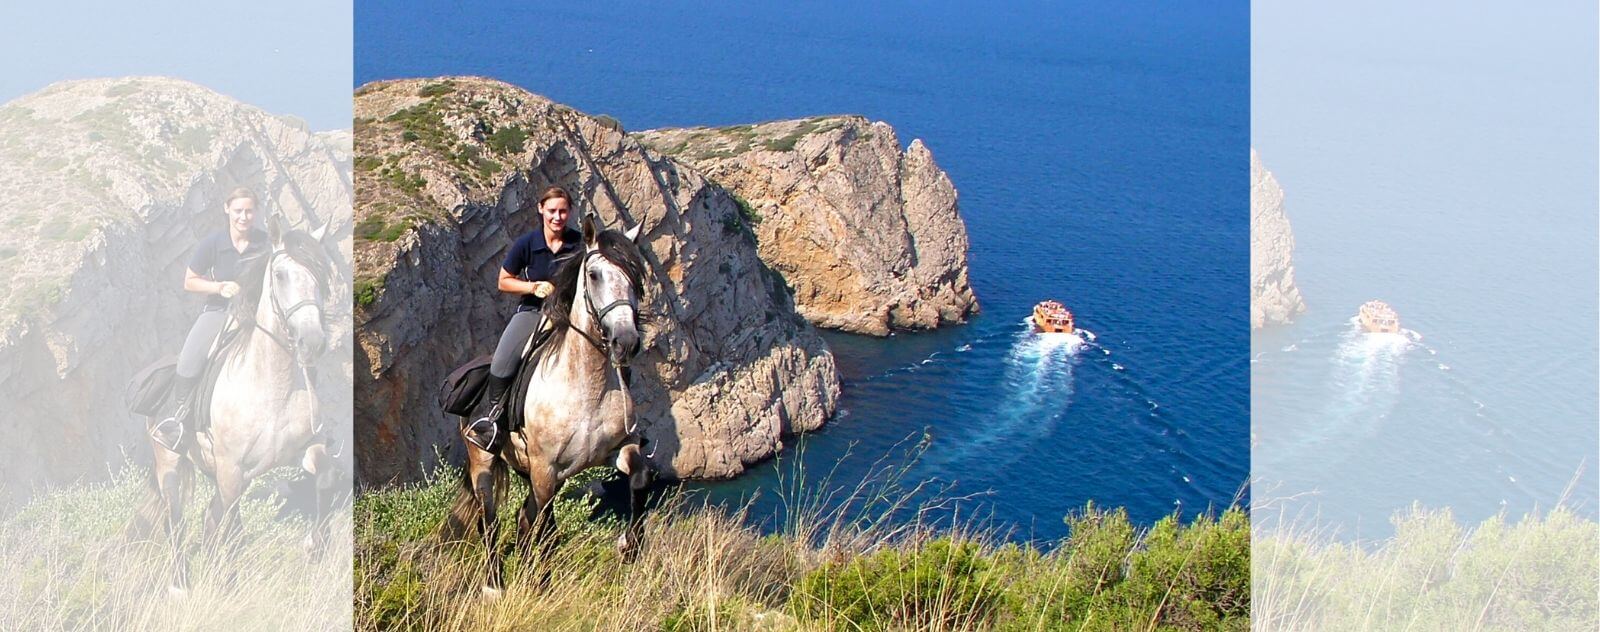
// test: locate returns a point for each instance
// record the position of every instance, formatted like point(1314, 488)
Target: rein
point(605, 347)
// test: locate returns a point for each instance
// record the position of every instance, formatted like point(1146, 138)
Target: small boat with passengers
point(1377, 317)
point(1052, 317)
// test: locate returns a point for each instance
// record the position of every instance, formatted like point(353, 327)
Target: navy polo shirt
point(216, 260)
point(530, 259)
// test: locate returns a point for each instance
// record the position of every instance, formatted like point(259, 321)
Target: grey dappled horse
point(263, 409)
point(577, 410)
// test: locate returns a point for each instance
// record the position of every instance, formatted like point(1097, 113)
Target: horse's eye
point(594, 276)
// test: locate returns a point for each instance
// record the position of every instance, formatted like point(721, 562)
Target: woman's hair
point(553, 193)
point(241, 193)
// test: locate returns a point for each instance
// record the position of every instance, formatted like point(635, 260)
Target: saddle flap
point(147, 392)
point(461, 390)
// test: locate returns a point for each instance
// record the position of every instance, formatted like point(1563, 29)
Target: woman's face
point(241, 214)
point(554, 212)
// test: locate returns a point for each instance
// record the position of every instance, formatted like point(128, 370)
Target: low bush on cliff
point(848, 567)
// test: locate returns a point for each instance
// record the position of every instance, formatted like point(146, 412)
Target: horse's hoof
point(177, 592)
point(491, 593)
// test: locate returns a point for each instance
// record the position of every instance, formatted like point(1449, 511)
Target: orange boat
point(1052, 317)
point(1378, 318)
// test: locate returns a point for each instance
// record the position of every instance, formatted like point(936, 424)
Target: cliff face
point(105, 187)
point(446, 179)
point(1273, 296)
point(869, 237)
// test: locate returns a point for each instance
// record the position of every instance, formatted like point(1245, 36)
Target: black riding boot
point(169, 432)
point(484, 430)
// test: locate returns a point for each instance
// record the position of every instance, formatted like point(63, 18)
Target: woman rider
point(213, 267)
point(526, 272)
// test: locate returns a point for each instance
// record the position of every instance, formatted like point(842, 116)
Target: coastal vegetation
point(63, 565)
point(846, 559)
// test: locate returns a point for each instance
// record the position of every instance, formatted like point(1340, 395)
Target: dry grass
point(65, 566)
point(851, 557)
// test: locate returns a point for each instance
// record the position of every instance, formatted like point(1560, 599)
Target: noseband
point(603, 345)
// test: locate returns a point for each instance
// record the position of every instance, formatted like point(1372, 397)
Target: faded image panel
point(1424, 294)
point(175, 326)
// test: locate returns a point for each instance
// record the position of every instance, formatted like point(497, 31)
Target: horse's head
point(296, 280)
point(611, 281)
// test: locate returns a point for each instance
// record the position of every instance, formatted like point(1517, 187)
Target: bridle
point(283, 315)
point(602, 345)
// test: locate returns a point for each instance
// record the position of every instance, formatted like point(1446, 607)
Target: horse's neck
point(259, 345)
point(578, 353)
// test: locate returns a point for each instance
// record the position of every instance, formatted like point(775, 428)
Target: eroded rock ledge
point(1274, 298)
point(869, 237)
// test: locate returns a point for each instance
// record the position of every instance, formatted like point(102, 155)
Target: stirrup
point(475, 432)
point(160, 433)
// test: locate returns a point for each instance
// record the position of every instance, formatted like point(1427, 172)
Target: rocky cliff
point(446, 174)
point(1273, 295)
point(105, 186)
point(868, 236)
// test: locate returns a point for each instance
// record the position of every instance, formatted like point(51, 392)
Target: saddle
point(150, 392)
point(461, 394)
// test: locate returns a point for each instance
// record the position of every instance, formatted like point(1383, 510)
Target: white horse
point(263, 408)
point(577, 410)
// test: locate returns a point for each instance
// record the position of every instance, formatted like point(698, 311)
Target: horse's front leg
point(633, 465)
point(324, 472)
point(222, 516)
point(536, 523)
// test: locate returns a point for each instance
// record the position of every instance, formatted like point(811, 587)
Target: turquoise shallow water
point(1101, 158)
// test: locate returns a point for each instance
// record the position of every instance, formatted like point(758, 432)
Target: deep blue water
point(1444, 161)
point(1100, 154)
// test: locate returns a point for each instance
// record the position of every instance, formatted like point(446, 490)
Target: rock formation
point(105, 186)
point(445, 180)
point(1273, 295)
point(869, 237)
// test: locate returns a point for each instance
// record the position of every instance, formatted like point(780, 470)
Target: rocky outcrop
point(105, 186)
point(445, 181)
point(869, 237)
point(1273, 295)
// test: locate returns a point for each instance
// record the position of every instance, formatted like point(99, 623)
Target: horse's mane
point(301, 247)
point(616, 248)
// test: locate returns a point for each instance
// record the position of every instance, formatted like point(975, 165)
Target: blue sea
point(1101, 157)
point(1444, 161)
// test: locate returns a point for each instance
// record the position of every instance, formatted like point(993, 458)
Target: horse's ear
point(633, 233)
point(590, 231)
point(275, 229)
point(321, 231)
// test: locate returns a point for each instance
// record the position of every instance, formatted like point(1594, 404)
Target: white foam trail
point(1117, 367)
point(1292, 347)
point(964, 348)
point(1037, 385)
point(1364, 385)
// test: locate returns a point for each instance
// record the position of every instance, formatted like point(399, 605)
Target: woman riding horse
point(577, 410)
point(213, 269)
point(528, 268)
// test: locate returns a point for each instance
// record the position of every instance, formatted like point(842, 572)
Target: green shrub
point(508, 140)
point(945, 583)
point(436, 89)
point(367, 289)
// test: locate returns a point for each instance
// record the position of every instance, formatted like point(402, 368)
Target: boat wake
point(1036, 388)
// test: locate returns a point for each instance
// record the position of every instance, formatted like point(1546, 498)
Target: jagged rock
point(1273, 295)
point(105, 186)
point(446, 173)
point(869, 237)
